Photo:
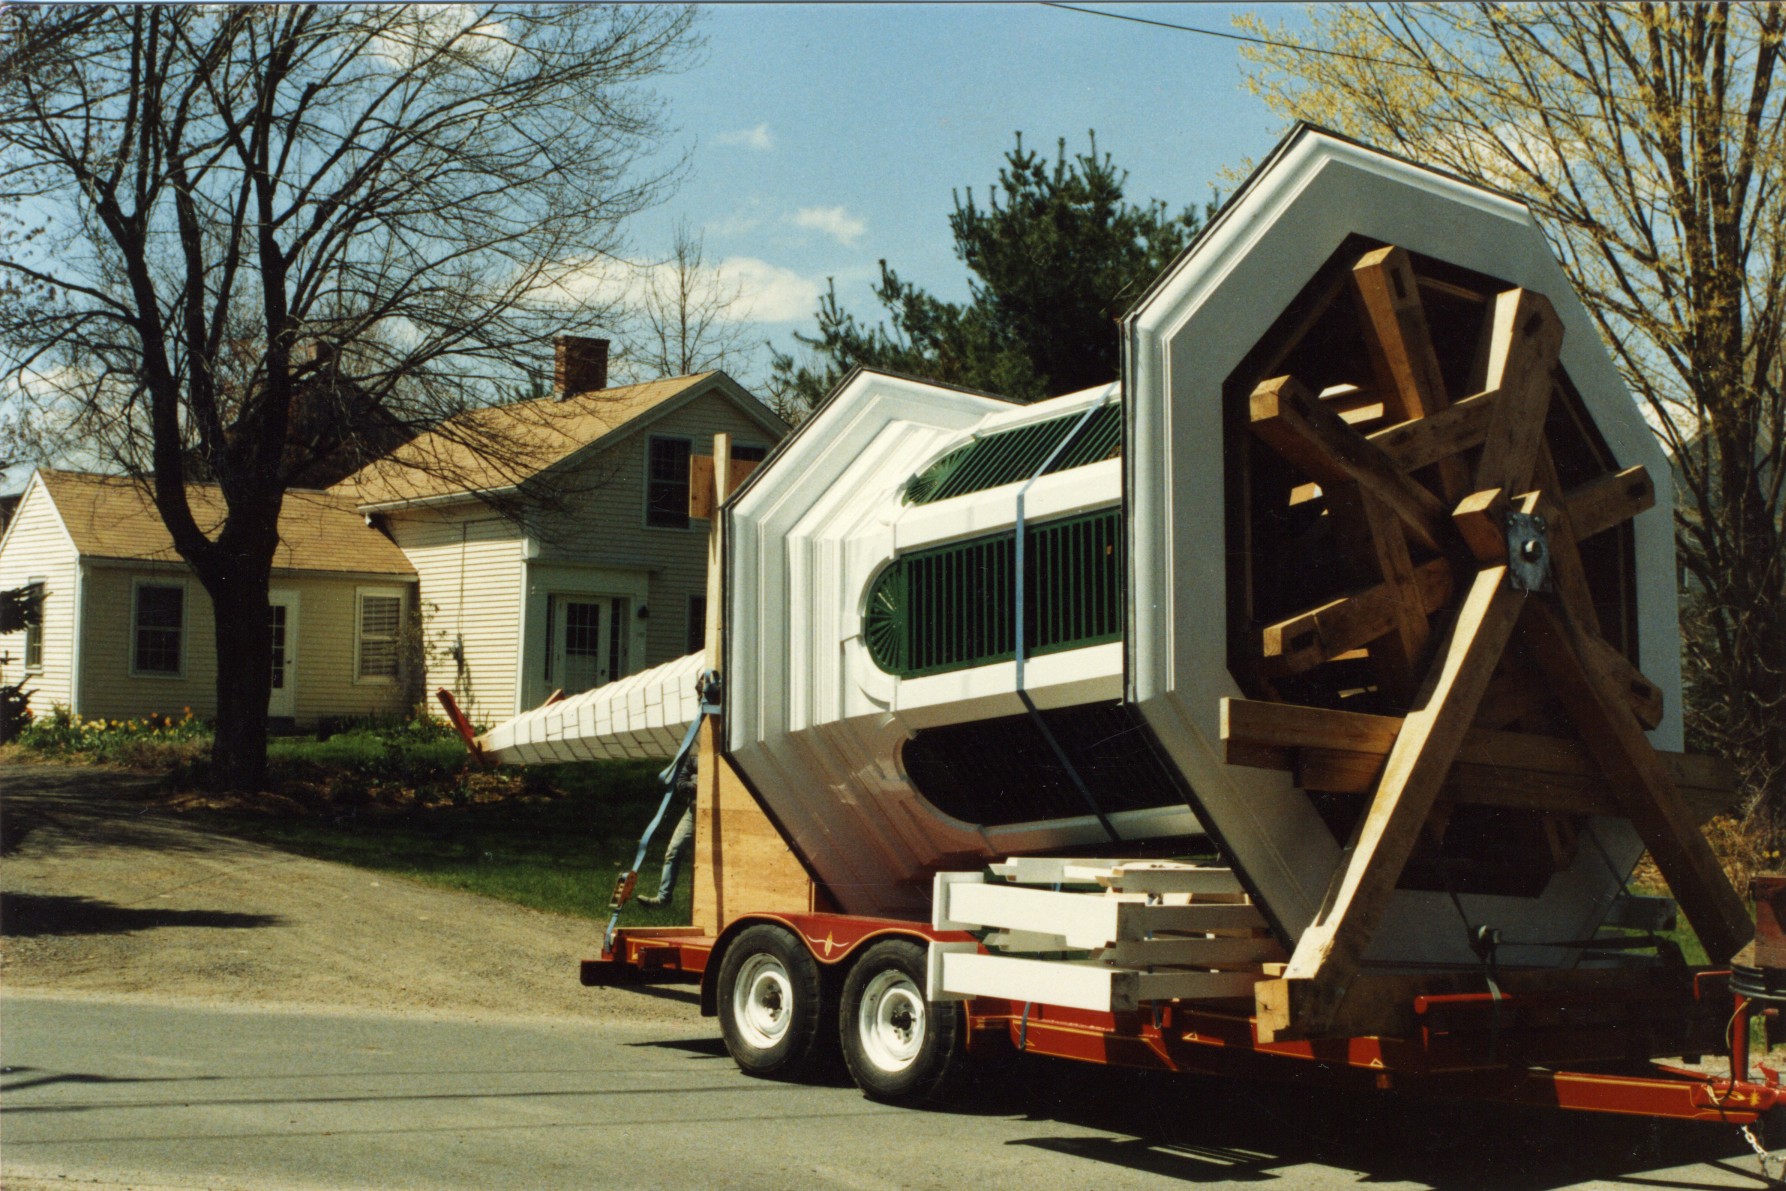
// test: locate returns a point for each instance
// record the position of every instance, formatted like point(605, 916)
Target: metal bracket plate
point(1528, 552)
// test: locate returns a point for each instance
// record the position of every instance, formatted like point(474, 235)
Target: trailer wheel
point(899, 1047)
point(773, 1005)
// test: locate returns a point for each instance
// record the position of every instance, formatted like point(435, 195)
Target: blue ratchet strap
point(1035, 713)
point(709, 705)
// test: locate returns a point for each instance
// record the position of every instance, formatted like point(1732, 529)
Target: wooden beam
point(1614, 498)
point(1481, 520)
point(1570, 577)
point(1309, 638)
point(1401, 348)
point(1567, 574)
point(1525, 336)
point(1266, 735)
point(1396, 653)
point(1643, 784)
point(1332, 947)
point(1642, 696)
point(1317, 441)
point(1450, 431)
point(1382, 1003)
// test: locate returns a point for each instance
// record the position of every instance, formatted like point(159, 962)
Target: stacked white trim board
point(879, 774)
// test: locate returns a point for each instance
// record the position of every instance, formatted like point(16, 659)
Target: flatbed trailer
point(1585, 1049)
point(1354, 375)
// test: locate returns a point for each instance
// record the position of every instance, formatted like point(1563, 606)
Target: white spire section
point(643, 715)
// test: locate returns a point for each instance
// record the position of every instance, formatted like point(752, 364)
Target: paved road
point(138, 1094)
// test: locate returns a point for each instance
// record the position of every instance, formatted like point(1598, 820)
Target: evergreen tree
point(1054, 257)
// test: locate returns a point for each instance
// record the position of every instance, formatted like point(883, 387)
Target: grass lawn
point(396, 797)
point(559, 848)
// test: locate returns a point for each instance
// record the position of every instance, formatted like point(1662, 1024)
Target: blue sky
point(824, 137)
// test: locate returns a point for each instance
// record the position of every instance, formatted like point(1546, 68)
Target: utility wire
point(1264, 41)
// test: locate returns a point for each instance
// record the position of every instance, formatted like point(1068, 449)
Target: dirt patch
point(104, 892)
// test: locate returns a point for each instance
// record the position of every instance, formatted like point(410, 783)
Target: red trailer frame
point(1512, 1047)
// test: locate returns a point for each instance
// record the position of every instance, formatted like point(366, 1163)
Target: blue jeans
point(677, 849)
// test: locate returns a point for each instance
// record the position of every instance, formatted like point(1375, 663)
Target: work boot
point(650, 901)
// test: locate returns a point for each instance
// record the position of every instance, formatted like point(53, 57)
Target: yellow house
point(510, 551)
point(126, 629)
point(572, 560)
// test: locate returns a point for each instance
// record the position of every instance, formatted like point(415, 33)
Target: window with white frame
point(377, 635)
point(158, 629)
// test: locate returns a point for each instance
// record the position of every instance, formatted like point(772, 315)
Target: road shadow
point(1201, 1130)
point(34, 915)
point(55, 809)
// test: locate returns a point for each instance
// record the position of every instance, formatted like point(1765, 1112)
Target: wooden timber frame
point(742, 863)
point(1464, 664)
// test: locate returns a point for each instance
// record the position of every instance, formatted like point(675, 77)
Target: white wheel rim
point(763, 1001)
point(890, 1021)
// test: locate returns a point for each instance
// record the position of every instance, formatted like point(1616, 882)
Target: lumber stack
point(1102, 935)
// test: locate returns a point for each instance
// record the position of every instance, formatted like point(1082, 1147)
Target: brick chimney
point(580, 365)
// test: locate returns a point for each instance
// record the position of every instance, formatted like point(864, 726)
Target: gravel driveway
point(101, 892)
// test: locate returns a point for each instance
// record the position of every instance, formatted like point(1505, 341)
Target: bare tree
point(1651, 142)
point(686, 315)
point(279, 231)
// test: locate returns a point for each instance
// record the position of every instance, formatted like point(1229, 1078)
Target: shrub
point(153, 741)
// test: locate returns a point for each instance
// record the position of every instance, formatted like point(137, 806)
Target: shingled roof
point(498, 447)
point(114, 517)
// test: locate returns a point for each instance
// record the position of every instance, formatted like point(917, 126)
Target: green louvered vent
point(1012, 455)
point(951, 607)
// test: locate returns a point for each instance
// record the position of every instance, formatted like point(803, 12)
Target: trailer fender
point(833, 940)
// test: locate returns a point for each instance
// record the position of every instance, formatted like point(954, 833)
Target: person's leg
point(673, 854)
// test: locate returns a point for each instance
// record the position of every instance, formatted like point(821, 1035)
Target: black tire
point(899, 1048)
point(775, 1005)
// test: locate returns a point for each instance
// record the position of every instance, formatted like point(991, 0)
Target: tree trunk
point(244, 677)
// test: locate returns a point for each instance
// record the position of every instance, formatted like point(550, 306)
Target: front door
point(282, 621)
point(584, 635)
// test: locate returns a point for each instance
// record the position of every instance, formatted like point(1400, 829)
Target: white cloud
point(758, 138)
point(415, 33)
point(835, 222)
point(768, 293)
point(733, 225)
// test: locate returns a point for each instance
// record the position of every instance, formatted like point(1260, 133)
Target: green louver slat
point(949, 607)
point(1012, 455)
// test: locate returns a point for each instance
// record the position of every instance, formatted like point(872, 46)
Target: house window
point(376, 640)
point(158, 629)
point(697, 624)
point(666, 483)
point(749, 454)
point(34, 625)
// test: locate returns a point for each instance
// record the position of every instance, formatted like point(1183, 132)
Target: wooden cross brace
point(1384, 508)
